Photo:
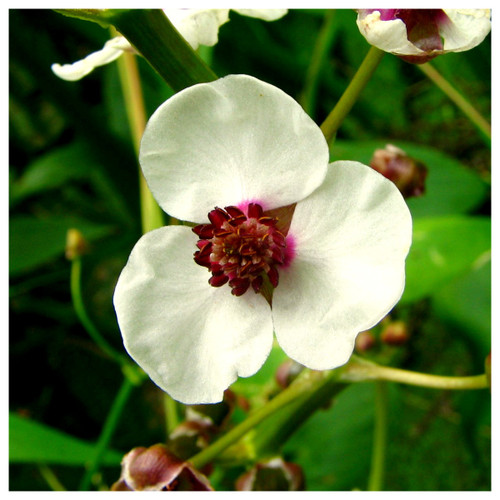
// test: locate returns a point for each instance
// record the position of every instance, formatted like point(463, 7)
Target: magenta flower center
point(241, 249)
point(422, 25)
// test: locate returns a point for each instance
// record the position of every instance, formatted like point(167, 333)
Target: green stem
point(308, 382)
point(76, 296)
point(155, 38)
point(107, 431)
point(360, 370)
point(333, 121)
point(50, 478)
point(151, 213)
point(461, 102)
point(171, 413)
point(376, 478)
point(318, 56)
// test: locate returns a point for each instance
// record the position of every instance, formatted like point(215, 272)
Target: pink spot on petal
point(289, 251)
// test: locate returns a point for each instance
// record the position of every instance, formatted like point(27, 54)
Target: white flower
point(197, 26)
point(418, 35)
point(331, 266)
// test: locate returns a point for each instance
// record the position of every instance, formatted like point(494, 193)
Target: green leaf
point(31, 441)
point(34, 241)
point(465, 304)
point(51, 171)
point(334, 446)
point(444, 248)
point(451, 188)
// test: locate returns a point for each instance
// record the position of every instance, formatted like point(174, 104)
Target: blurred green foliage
point(72, 165)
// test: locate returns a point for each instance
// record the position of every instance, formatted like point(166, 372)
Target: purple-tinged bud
point(273, 475)
point(287, 372)
point(395, 334)
point(407, 173)
point(157, 469)
point(190, 437)
point(419, 35)
point(365, 341)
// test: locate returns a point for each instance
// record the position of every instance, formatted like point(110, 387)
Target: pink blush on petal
point(243, 206)
point(289, 251)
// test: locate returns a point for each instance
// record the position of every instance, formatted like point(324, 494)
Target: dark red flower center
point(241, 249)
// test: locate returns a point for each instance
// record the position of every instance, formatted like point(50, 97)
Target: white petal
point(192, 339)
point(390, 36)
point(264, 14)
point(233, 140)
point(351, 237)
point(198, 26)
point(112, 50)
point(467, 29)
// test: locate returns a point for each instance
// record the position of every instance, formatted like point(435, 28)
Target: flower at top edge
point(282, 241)
point(197, 26)
point(418, 35)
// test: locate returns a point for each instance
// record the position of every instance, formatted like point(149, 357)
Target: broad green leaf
point(451, 188)
point(465, 304)
point(52, 170)
point(31, 441)
point(444, 248)
point(34, 241)
point(334, 446)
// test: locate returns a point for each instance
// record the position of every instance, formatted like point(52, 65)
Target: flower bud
point(157, 469)
point(419, 35)
point(217, 413)
point(76, 245)
point(273, 475)
point(395, 334)
point(190, 437)
point(365, 341)
point(287, 372)
point(408, 174)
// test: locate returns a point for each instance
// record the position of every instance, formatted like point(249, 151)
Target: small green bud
point(76, 245)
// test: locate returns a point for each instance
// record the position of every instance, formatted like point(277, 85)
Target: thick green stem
point(461, 102)
point(308, 382)
point(155, 38)
point(151, 213)
point(171, 413)
point(107, 431)
point(360, 370)
point(333, 121)
point(376, 478)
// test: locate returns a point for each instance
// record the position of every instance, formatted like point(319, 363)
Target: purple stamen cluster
point(240, 249)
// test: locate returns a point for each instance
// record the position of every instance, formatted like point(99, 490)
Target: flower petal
point(351, 238)
point(112, 50)
point(229, 141)
point(467, 29)
point(390, 36)
point(198, 26)
point(192, 339)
